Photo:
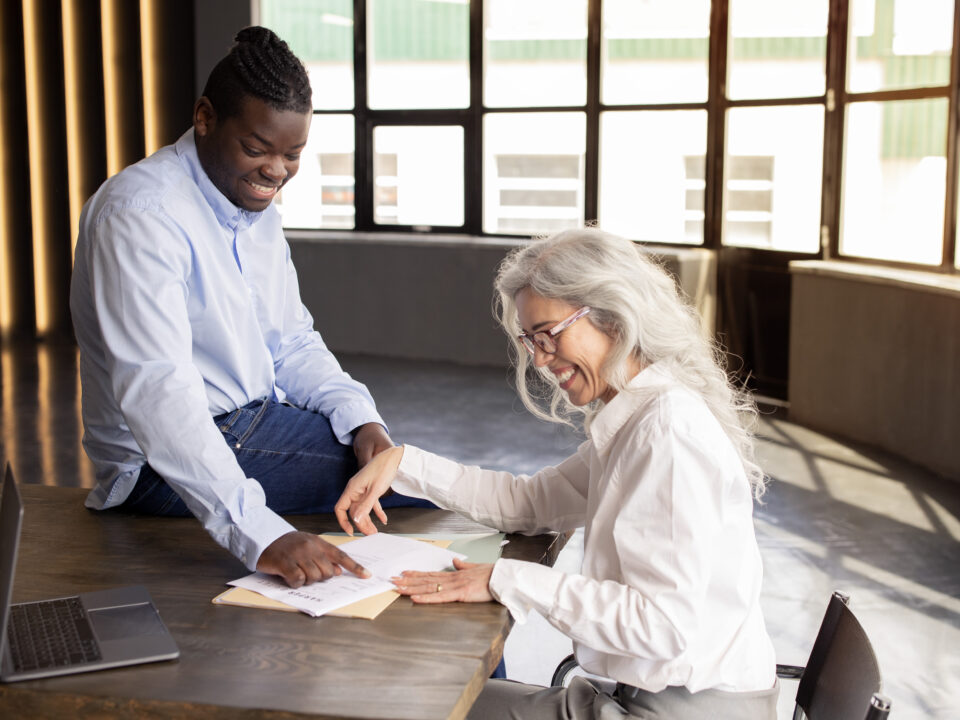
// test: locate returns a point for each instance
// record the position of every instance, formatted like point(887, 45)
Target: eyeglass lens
point(541, 340)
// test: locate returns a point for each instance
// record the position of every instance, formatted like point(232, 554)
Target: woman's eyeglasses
point(545, 338)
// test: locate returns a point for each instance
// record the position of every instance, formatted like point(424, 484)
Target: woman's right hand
point(364, 490)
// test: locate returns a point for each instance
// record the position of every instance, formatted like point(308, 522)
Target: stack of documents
point(382, 554)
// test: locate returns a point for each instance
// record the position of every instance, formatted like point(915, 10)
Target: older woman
point(667, 602)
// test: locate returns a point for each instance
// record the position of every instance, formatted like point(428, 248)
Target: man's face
point(251, 156)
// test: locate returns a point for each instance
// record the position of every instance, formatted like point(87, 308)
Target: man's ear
point(204, 117)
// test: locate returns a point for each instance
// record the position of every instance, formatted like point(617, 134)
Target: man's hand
point(302, 558)
point(362, 494)
point(469, 583)
point(370, 440)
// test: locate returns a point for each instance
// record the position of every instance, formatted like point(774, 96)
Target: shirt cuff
point(524, 586)
point(259, 529)
point(347, 418)
point(412, 480)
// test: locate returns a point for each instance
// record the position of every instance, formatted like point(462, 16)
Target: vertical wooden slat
point(122, 86)
point(46, 133)
point(83, 91)
point(166, 27)
point(16, 261)
point(149, 61)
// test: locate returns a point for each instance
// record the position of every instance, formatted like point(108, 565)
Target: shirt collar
point(228, 215)
point(614, 415)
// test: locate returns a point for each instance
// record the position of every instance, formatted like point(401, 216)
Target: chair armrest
point(790, 672)
point(879, 707)
point(563, 669)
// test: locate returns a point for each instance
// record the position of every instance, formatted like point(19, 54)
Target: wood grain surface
point(412, 662)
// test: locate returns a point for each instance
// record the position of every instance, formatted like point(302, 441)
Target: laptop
point(89, 631)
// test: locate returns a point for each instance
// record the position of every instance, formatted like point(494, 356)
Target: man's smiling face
point(250, 156)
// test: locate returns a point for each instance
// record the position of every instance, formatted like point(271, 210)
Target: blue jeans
point(292, 453)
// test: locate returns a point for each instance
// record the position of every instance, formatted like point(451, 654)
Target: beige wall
point(875, 357)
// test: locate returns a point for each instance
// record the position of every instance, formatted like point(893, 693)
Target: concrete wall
point(216, 22)
point(875, 357)
point(431, 298)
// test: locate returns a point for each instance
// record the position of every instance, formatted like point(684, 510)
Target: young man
point(205, 388)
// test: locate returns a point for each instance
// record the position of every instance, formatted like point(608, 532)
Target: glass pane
point(894, 180)
point(778, 48)
point(418, 54)
point(321, 34)
point(899, 44)
point(655, 51)
point(652, 175)
point(535, 53)
point(418, 175)
point(772, 178)
point(533, 172)
point(321, 194)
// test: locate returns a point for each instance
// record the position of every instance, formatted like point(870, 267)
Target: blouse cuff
point(524, 586)
point(412, 477)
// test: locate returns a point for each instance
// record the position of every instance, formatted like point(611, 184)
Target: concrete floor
point(836, 516)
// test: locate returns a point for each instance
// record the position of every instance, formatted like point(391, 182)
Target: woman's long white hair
point(635, 302)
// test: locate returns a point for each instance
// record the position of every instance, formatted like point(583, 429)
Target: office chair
point(841, 680)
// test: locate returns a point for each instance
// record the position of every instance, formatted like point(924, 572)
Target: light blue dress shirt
point(185, 307)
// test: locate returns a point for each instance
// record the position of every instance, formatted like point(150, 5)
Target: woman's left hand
point(470, 582)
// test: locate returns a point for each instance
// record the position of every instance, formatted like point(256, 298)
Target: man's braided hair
point(259, 65)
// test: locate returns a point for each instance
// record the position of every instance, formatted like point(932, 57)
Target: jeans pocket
point(226, 424)
point(238, 425)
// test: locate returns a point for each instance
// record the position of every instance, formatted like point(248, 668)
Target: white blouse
point(669, 590)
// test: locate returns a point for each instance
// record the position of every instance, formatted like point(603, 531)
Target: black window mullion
point(716, 125)
point(473, 128)
point(834, 118)
point(591, 200)
point(363, 131)
point(953, 129)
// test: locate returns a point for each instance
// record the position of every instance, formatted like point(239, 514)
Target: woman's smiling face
point(582, 349)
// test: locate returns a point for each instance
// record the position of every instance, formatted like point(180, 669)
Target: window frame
point(834, 100)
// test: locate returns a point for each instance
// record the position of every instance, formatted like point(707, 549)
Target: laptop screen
point(11, 515)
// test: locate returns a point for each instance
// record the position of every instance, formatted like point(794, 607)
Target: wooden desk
point(411, 662)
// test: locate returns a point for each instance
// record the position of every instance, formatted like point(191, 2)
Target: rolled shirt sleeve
point(551, 500)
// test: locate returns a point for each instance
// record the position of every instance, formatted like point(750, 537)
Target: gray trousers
point(507, 700)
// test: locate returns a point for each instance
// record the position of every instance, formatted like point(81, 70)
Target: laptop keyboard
point(51, 633)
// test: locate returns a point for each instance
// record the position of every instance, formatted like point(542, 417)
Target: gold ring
point(439, 587)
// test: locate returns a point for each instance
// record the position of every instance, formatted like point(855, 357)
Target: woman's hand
point(470, 582)
point(363, 492)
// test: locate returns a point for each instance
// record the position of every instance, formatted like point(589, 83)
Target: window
point(814, 128)
point(773, 170)
point(418, 175)
point(894, 181)
point(652, 174)
point(533, 165)
point(893, 205)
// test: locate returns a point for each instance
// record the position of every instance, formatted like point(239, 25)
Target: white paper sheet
point(382, 554)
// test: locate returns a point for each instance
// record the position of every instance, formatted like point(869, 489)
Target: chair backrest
point(842, 674)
